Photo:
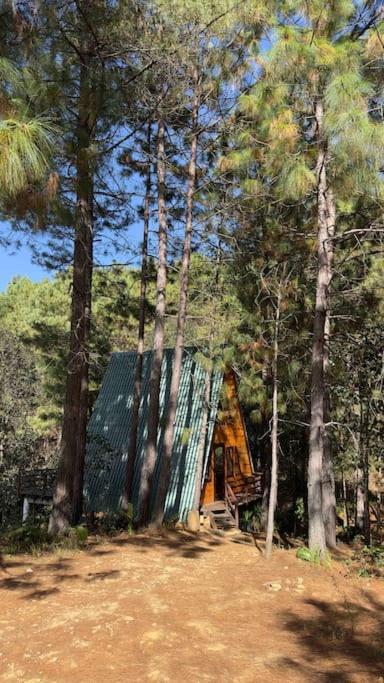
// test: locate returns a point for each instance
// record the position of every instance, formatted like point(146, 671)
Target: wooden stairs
point(219, 515)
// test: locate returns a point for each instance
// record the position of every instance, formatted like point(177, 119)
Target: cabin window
point(219, 465)
point(229, 461)
point(238, 461)
point(219, 455)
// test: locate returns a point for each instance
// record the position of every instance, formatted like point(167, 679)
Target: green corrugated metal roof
point(108, 431)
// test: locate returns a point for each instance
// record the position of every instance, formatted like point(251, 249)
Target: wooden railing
point(231, 503)
point(250, 488)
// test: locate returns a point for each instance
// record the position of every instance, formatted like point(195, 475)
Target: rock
point(273, 586)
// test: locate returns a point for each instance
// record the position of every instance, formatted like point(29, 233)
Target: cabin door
point(219, 471)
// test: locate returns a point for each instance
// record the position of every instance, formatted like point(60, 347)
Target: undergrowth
point(369, 561)
point(34, 540)
point(314, 556)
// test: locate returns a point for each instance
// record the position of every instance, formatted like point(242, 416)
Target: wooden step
point(219, 515)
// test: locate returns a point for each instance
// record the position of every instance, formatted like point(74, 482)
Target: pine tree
point(158, 338)
point(135, 413)
point(26, 140)
point(195, 29)
point(80, 34)
point(318, 145)
point(165, 471)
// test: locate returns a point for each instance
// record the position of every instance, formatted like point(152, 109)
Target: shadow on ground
point(30, 582)
point(346, 632)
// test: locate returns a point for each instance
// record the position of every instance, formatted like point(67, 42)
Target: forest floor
point(186, 608)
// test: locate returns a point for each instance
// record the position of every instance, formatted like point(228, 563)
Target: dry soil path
point(186, 609)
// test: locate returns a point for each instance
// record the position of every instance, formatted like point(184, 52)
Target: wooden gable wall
point(231, 433)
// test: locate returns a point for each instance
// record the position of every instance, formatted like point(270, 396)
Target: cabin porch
point(229, 484)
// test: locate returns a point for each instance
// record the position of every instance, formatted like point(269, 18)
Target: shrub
point(25, 539)
point(370, 561)
point(81, 534)
point(314, 556)
point(251, 518)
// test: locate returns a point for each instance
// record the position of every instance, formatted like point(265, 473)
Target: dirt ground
point(185, 608)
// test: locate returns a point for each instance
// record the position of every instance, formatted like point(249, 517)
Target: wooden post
point(25, 510)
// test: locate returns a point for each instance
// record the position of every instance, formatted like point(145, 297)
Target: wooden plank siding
point(37, 483)
point(231, 433)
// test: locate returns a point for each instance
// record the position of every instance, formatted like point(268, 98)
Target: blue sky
point(18, 262)
point(14, 262)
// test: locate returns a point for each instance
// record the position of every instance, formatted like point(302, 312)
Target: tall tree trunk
point(266, 490)
point(150, 454)
point(266, 445)
point(68, 494)
point(345, 501)
point(367, 519)
point(207, 391)
point(274, 436)
point(132, 446)
point(359, 519)
point(328, 479)
point(363, 522)
point(316, 531)
point(165, 471)
point(202, 440)
point(365, 471)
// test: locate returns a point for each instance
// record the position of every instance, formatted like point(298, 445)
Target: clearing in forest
point(186, 608)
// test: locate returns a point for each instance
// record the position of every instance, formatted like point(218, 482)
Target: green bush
point(25, 539)
point(304, 553)
point(35, 539)
point(81, 534)
point(370, 560)
point(314, 556)
point(299, 511)
point(251, 518)
point(113, 522)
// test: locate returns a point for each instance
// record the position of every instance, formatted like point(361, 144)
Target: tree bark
point(316, 531)
point(202, 440)
point(266, 451)
point(207, 393)
point(328, 479)
point(365, 459)
point(150, 454)
point(274, 437)
point(359, 520)
point(132, 446)
point(68, 494)
point(363, 522)
point(266, 490)
point(367, 519)
point(165, 471)
point(345, 501)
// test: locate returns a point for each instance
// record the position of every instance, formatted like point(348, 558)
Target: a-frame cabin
point(229, 479)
